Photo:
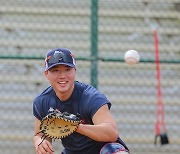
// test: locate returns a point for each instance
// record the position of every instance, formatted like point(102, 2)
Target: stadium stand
point(32, 27)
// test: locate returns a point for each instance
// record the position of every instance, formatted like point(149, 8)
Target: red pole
point(160, 107)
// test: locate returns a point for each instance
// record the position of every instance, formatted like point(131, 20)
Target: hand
point(43, 148)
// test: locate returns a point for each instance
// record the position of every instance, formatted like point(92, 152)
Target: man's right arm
point(41, 147)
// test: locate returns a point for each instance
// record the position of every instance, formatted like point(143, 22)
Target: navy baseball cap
point(59, 56)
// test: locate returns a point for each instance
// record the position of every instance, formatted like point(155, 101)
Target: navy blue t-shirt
point(85, 100)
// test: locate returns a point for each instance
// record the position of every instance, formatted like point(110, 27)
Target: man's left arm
point(104, 128)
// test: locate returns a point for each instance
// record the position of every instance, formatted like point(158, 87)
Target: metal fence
point(29, 28)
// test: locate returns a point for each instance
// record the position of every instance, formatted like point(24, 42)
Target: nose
point(62, 73)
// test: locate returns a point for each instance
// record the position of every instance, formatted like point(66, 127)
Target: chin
point(62, 90)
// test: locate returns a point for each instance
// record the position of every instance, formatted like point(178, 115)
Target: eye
point(55, 70)
point(68, 69)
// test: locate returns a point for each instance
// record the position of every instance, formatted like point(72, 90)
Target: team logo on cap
point(59, 55)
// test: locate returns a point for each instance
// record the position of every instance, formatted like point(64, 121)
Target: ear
point(75, 70)
point(46, 74)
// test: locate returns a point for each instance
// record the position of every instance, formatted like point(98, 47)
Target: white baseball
point(131, 57)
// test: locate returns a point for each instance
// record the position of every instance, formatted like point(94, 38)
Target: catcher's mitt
point(57, 125)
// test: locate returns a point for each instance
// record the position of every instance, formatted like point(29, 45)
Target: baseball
point(131, 57)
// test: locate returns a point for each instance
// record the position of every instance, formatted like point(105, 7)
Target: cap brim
point(67, 64)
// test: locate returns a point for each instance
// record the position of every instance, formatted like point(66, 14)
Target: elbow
point(114, 136)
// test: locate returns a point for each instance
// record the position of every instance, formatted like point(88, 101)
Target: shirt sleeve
point(37, 110)
point(95, 100)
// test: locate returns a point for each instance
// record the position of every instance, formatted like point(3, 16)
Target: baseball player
point(98, 132)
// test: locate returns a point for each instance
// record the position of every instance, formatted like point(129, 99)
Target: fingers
point(41, 150)
point(49, 146)
point(44, 148)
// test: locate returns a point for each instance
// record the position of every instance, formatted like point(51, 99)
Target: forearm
point(104, 132)
point(41, 143)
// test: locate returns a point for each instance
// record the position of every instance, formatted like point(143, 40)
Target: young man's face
point(62, 78)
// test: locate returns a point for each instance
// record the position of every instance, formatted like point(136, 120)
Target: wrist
point(81, 129)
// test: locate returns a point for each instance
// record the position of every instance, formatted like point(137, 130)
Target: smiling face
point(61, 78)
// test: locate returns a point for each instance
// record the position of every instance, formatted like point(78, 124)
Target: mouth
point(62, 83)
